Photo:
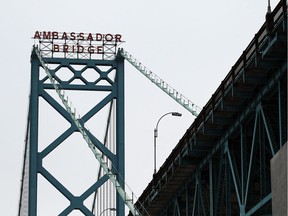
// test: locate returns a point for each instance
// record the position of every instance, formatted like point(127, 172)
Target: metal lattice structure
point(221, 166)
point(108, 78)
point(160, 83)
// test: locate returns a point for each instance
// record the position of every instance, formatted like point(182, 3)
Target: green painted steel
point(221, 166)
point(33, 137)
point(115, 94)
point(161, 84)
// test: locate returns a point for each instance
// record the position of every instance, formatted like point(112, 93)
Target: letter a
point(37, 35)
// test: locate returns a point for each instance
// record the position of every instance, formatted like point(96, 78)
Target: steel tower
point(106, 86)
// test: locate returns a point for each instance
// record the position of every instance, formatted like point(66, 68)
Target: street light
point(156, 134)
point(111, 209)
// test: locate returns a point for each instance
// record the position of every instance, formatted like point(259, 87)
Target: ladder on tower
point(76, 118)
point(173, 93)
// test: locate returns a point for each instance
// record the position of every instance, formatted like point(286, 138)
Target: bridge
point(221, 165)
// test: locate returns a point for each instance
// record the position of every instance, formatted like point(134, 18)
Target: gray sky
point(192, 45)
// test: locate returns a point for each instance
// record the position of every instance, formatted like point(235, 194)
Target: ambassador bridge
point(223, 164)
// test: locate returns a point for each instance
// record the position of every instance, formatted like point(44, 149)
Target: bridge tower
point(93, 75)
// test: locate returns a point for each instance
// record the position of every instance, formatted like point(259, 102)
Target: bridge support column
point(33, 140)
point(279, 182)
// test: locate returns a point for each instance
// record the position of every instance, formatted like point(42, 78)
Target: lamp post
point(156, 134)
point(111, 209)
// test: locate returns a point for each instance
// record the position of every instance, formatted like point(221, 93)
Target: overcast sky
point(192, 45)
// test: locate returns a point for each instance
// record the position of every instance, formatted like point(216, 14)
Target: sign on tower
point(77, 45)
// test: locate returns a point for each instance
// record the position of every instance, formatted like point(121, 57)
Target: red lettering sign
point(108, 37)
point(64, 36)
point(81, 36)
point(72, 36)
point(80, 49)
point(90, 37)
point(54, 35)
point(56, 48)
point(37, 35)
point(100, 50)
point(89, 45)
point(91, 49)
point(65, 48)
point(46, 35)
point(98, 37)
point(118, 38)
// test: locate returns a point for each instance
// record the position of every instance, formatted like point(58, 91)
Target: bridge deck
point(235, 97)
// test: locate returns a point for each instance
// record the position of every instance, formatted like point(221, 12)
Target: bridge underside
point(221, 166)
